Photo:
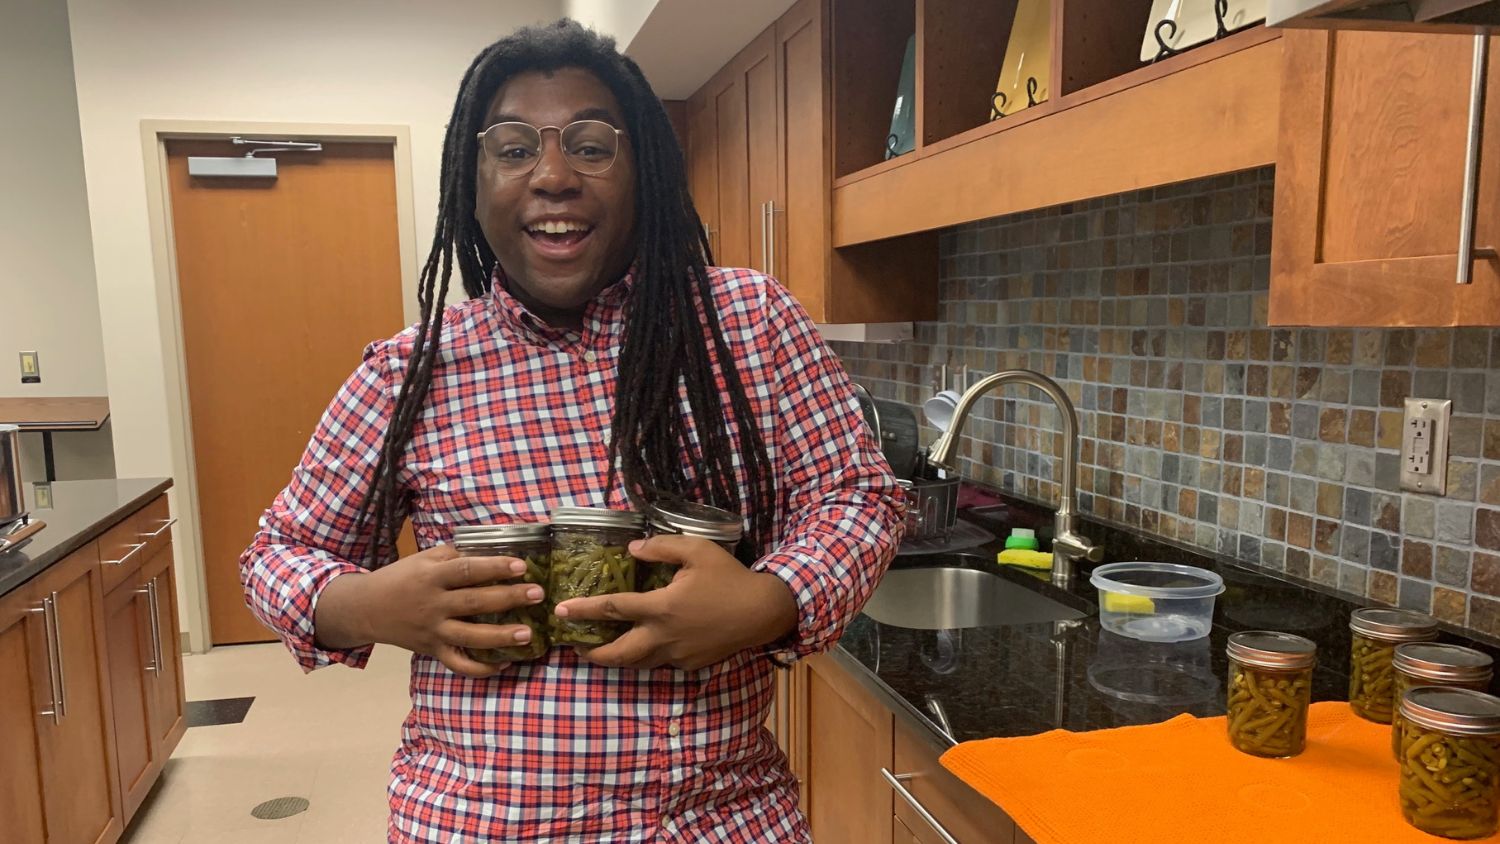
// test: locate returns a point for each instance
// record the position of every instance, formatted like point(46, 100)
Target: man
point(598, 362)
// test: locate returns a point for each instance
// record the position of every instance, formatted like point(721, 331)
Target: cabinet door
point(127, 627)
point(757, 66)
point(167, 695)
point(1369, 183)
point(703, 163)
point(802, 230)
point(966, 814)
point(78, 775)
point(24, 694)
point(849, 741)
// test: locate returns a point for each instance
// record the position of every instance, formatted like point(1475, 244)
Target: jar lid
point(1454, 711)
point(1395, 625)
point(692, 519)
point(1443, 663)
point(597, 517)
point(466, 537)
point(1268, 649)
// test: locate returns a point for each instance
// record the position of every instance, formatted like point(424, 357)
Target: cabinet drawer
point(137, 537)
point(965, 813)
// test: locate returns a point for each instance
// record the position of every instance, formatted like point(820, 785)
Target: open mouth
point(559, 238)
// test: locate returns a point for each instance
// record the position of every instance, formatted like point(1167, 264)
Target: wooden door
point(803, 229)
point(703, 163)
point(283, 282)
point(24, 693)
point(1369, 182)
point(127, 627)
point(757, 66)
point(168, 697)
point(849, 742)
point(78, 775)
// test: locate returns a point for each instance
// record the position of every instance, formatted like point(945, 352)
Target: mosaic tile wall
point(1199, 423)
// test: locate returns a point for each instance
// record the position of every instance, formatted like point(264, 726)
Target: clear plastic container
point(591, 557)
point(1376, 633)
point(1156, 602)
point(1433, 664)
point(529, 542)
point(688, 519)
point(1270, 690)
point(1450, 762)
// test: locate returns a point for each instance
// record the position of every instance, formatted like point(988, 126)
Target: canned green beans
point(1270, 690)
point(688, 519)
point(1376, 633)
point(1450, 762)
point(591, 557)
point(531, 543)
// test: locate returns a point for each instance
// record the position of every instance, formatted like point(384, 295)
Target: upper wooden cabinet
point(1369, 183)
point(760, 142)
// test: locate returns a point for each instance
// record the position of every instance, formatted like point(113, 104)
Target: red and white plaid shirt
point(516, 424)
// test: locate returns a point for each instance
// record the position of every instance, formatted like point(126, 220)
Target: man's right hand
point(420, 603)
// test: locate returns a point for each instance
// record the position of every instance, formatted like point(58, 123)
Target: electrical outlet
point(31, 368)
point(1424, 446)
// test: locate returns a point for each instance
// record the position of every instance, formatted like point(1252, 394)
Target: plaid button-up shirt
point(516, 424)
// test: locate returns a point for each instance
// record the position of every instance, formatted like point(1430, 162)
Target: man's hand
point(419, 603)
point(713, 609)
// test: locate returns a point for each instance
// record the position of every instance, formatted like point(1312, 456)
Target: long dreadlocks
point(672, 338)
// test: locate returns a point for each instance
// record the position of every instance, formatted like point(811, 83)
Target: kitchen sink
point(950, 598)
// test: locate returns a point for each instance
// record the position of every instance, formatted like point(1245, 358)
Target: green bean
point(1370, 688)
point(1268, 711)
point(582, 567)
point(1441, 796)
point(534, 617)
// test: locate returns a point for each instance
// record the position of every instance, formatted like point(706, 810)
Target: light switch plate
point(31, 368)
point(1424, 446)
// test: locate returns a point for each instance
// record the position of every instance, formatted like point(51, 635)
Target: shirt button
point(673, 730)
point(590, 357)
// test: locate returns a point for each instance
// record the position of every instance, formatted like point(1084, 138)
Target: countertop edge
point(894, 701)
point(96, 528)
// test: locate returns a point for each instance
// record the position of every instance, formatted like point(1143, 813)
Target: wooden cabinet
point(168, 698)
point(788, 721)
point(849, 742)
point(963, 812)
point(1369, 183)
point(59, 714)
point(760, 167)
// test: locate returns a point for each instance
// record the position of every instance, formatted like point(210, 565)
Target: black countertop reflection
point(80, 512)
point(978, 683)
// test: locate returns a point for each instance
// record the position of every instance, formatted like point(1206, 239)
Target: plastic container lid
point(1443, 663)
point(597, 517)
point(1158, 580)
point(1454, 711)
point(1269, 649)
point(1023, 538)
point(1393, 625)
point(693, 519)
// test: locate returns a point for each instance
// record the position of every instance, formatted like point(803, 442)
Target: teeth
point(558, 227)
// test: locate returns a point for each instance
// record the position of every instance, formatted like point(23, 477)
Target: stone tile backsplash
point(1199, 423)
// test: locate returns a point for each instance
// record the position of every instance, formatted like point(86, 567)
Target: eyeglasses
point(589, 146)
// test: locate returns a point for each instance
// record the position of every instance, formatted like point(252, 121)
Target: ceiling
point(682, 43)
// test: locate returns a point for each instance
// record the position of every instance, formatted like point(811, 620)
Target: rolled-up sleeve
point(310, 535)
point(842, 510)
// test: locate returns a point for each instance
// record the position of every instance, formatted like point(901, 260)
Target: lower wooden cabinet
point(24, 693)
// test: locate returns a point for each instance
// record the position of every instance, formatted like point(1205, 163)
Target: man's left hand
point(713, 609)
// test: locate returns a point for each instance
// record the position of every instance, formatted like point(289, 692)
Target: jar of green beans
point(531, 543)
point(688, 518)
point(1432, 664)
point(1377, 631)
point(591, 557)
point(1450, 762)
point(1270, 690)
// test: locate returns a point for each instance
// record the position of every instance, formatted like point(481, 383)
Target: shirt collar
point(599, 317)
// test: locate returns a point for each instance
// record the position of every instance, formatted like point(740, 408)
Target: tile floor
point(327, 736)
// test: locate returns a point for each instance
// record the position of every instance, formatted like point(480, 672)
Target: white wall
point(48, 299)
point(619, 19)
point(332, 61)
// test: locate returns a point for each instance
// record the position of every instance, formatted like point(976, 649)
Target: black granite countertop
point(977, 683)
point(80, 512)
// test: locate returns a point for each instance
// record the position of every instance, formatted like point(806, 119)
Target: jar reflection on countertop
point(1141, 677)
point(1270, 690)
point(1377, 631)
point(1433, 664)
point(1450, 762)
point(687, 518)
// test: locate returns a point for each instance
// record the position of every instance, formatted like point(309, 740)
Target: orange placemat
point(1181, 781)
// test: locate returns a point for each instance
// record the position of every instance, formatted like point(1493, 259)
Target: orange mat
point(1181, 781)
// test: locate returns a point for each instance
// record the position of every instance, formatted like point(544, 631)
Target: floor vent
point(281, 807)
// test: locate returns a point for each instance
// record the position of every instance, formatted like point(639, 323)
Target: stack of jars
point(583, 552)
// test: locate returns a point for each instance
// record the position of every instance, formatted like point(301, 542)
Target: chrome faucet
point(1067, 544)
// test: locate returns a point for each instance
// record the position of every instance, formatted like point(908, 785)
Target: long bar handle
point(153, 598)
point(151, 608)
point(135, 548)
point(46, 610)
point(771, 225)
point(165, 526)
point(898, 782)
point(1468, 219)
point(62, 667)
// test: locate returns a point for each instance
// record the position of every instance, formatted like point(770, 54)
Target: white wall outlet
point(31, 368)
point(1424, 446)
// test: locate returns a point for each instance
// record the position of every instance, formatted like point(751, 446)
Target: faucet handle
point(1075, 546)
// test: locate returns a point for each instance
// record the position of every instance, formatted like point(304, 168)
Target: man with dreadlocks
point(600, 360)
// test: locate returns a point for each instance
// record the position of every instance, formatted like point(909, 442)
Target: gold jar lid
point(1443, 663)
point(1272, 650)
point(1393, 625)
point(1460, 712)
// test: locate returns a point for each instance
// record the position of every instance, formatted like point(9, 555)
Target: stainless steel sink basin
point(948, 598)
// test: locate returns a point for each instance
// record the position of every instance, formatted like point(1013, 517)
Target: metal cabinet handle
point(165, 526)
point(897, 782)
point(151, 608)
point(765, 239)
point(153, 598)
point(1467, 220)
point(54, 710)
point(135, 548)
point(62, 667)
point(771, 225)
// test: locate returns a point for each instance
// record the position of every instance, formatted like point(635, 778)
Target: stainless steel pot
point(12, 490)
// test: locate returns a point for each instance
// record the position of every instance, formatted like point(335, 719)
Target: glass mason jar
point(1432, 664)
point(1450, 762)
point(591, 557)
point(1270, 690)
point(688, 519)
point(1377, 632)
point(531, 543)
